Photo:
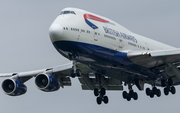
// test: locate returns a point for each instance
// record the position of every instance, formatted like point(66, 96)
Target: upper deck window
point(67, 12)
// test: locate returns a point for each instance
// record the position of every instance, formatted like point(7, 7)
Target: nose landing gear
point(75, 72)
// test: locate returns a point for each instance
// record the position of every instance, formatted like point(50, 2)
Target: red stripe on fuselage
point(92, 17)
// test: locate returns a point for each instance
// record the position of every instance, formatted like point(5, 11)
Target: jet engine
point(13, 87)
point(47, 83)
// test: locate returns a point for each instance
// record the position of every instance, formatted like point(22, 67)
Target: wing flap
point(85, 87)
point(88, 83)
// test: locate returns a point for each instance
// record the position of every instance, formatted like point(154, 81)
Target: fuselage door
point(147, 46)
point(95, 36)
point(120, 44)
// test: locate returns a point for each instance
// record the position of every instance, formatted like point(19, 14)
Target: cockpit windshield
point(67, 12)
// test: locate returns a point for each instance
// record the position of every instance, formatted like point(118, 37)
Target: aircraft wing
point(165, 61)
point(24, 76)
point(51, 79)
point(156, 58)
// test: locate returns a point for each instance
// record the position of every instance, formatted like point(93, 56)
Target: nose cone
point(55, 32)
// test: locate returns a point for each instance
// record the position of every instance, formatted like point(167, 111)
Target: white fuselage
point(99, 42)
point(76, 21)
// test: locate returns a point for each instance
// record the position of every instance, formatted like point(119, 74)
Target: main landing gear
point(168, 86)
point(131, 94)
point(100, 94)
point(153, 92)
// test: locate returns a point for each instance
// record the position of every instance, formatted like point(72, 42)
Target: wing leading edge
point(156, 58)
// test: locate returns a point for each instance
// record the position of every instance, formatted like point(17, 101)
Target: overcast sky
point(25, 45)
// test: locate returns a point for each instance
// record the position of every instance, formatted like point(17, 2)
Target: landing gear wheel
point(154, 90)
point(102, 91)
point(78, 72)
point(173, 90)
point(166, 91)
point(128, 97)
point(135, 96)
point(73, 75)
point(99, 100)
point(124, 94)
point(131, 93)
point(170, 82)
point(105, 100)
point(148, 91)
point(151, 94)
point(96, 92)
point(158, 92)
point(163, 82)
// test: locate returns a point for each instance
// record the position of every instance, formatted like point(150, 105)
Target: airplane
point(105, 56)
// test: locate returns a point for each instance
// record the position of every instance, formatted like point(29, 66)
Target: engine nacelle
point(13, 87)
point(47, 83)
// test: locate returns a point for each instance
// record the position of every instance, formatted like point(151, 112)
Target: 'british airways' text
point(119, 34)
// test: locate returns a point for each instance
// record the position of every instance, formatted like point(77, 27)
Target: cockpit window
point(67, 12)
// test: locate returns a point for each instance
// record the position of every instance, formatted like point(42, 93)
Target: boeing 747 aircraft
point(105, 56)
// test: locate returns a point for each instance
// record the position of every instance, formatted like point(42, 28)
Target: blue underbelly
point(101, 58)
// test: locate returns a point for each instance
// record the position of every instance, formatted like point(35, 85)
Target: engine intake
point(13, 87)
point(47, 83)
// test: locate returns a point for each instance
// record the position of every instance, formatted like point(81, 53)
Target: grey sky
point(25, 46)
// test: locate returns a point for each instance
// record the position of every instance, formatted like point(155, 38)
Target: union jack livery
point(92, 17)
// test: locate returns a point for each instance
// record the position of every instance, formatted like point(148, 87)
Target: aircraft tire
point(103, 91)
point(131, 93)
point(73, 75)
point(163, 83)
point(158, 93)
point(170, 82)
point(96, 92)
point(78, 72)
point(99, 100)
point(124, 94)
point(148, 91)
point(166, 91)
point(173, 90)
point(135, 96)
point(128, 97)
point(154, 90)
point(105, 99)
point(152, 94)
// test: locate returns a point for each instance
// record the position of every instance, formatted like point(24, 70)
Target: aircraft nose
point(55, 31)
